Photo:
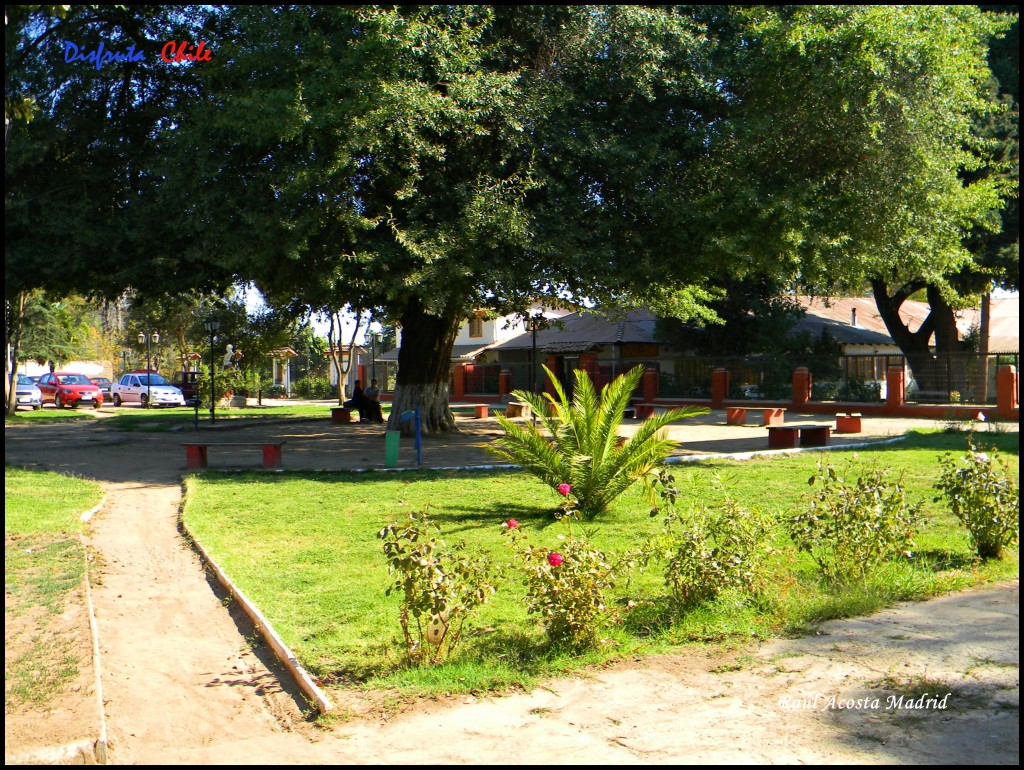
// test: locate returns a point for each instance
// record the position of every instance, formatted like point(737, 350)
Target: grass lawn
point(303, 546)
point(43, 571)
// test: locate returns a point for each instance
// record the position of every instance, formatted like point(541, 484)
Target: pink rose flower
point(513, 524)
point(981, 457)
point(555, 558)
point(564, 489)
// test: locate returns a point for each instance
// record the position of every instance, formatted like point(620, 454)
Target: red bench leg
point(774, 416)
point(782, 439)
point(814, 436)
point(271, 456)
point(195, 457)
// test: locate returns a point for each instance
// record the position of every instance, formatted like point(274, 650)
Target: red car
point(69, 389)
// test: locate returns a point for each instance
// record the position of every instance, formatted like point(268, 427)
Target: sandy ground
point(934, 682)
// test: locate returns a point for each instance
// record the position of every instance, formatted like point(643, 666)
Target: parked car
point(140, 387)
point(104, 384)
point(69, 389)
point(27, 394)
point(188, 384)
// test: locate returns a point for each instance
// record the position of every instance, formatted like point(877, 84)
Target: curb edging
point(264, 627)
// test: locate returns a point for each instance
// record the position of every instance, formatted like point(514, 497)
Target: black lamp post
point(212, 325)
point(536, 322)
point(374, 341)
point(149, 339)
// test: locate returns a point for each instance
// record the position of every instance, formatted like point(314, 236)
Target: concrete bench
point(340, 415)
point(808, 434)
point(197, 454)
point(643, 411)
point(482, 411)
point(735, 415)
point(848, 423)
point(518, 409)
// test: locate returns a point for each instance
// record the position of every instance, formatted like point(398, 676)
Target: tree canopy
point(418, 162)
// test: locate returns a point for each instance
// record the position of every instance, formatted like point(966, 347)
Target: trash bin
point(391, 439)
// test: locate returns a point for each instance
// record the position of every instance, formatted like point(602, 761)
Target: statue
point(231, 357)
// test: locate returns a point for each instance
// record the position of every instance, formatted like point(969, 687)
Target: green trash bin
point(391, 439)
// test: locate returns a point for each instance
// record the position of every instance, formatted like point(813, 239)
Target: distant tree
point(855, 130)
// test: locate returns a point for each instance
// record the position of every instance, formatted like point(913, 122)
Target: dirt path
point(182, 686)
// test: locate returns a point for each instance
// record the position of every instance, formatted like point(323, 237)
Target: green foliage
point(577, 442)
point(980, 491)
point(566, 585)
point(314, 387)
point(708, 549)
point(853, 527)
point(441, 586)
point(859, 389)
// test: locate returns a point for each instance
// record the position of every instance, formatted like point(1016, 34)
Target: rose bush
point(980, 491)
point(441, 586)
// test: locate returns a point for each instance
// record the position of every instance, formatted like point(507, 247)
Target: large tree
point(853, 129)
point(420, 162)
point(78, 209)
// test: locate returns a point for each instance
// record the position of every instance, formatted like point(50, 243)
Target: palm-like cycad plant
point(577, 442)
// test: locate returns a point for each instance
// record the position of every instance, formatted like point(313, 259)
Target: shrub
point(565, 585)
point(441, 587)
point(852, 527)
point(859, 389)
point(578, 442)
point(707, 551)
point(980, 491)
point(314, 387)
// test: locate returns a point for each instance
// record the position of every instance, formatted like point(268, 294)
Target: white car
point(145, 388)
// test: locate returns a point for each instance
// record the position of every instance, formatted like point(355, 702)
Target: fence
point(968, 378)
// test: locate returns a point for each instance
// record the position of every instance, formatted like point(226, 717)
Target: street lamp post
point(374, 341)
point(535, 324)
point(212, 325)
point(149, 339)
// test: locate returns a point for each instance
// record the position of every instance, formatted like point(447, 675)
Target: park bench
point(643, 411)
point(483, 410)
point(197, 453)
point(340, 415)
point(807, 434)
point(848, 423)
point(517, 409)
point(737, 415)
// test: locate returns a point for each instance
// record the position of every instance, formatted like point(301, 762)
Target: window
point(476, 326)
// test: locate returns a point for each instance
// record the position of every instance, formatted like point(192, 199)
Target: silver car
point(27, 394)
point(140, 387)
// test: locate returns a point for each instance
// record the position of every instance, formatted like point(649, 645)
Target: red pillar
point(504, 382)
point(895, 387)
point(553, 363)
point(1007, 390)
point(650, 385)
point(459, 382)
point(801, 386)
point(719, 387)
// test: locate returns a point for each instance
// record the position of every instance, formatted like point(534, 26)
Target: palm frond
point(577, 441)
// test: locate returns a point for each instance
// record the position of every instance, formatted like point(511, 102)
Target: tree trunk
point(424, 361)
point(15, 321)
point(913, 344)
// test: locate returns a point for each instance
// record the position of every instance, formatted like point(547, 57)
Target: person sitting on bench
point(359, 402)
point(372, 397)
